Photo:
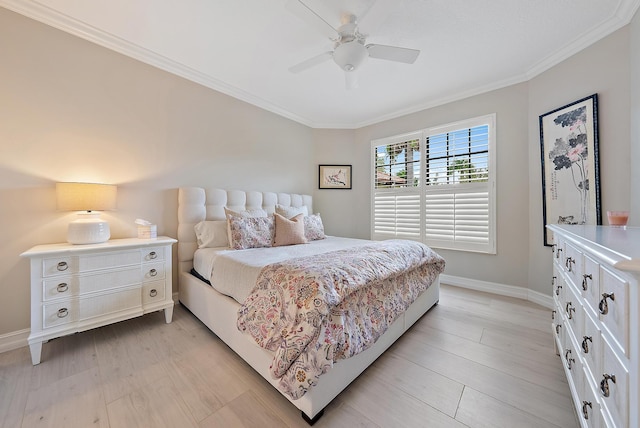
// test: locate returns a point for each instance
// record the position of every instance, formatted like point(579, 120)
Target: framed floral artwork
point(334, 177)
point(570, 166)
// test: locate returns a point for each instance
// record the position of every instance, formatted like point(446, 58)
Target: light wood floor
point(475, 360)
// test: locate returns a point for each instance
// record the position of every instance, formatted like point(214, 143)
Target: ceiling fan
point(350, 48)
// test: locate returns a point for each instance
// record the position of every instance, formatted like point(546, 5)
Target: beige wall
point(634, 72)
point(71, 110)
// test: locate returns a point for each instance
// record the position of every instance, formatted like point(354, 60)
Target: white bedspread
point(234, 272)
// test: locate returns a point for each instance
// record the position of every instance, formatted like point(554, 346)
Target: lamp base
point(88, 228)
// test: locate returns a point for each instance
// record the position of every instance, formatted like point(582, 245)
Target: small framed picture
point(334, 177)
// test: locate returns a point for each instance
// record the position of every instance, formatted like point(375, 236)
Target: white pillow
point(250, 213)
point(211, 234)
point(290, 212)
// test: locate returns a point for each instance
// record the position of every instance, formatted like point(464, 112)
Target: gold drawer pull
point(604, 384)
point(63, 312)
point(153, 255)
point(62, 287)
point(153, 272)
point(584, 280)
point(585, 411)
point(62, 266)
point(603, 305)
point(153, 292)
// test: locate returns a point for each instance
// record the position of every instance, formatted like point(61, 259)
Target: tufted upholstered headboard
point(196, 204)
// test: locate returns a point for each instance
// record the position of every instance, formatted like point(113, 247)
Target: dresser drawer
point(573, 264)
point(153, 292)
point(153, 254)
point(573, 312)
point(614, 388)
point(614, 307)
point(591, 346)
point(79, 309)
point(153, 272)
point(67, 265)
point(590, 284)
point(75, 285)
point(589, 408)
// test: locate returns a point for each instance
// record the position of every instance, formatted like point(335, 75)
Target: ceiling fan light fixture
point(350, 55)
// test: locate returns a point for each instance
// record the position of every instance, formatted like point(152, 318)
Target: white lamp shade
point(86, 196)
point(88, 228)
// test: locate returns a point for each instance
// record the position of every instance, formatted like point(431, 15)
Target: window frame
point(395, 224)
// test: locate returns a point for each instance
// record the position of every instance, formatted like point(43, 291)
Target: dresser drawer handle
point(584, 280)
point(558, 253)
point(153, 255)
point(63, 312)
point(553, 280)
point(558, 288)
point(570, 310)
point(603, 305)
point(553, 315)
point(558, 327)
point(569, 263)
point(153, 292)
point(567, 357)
point(153, 272)
point(604, 383)
point(62, 266)
point(585, 411)
point(62, 287)
point(585, 344)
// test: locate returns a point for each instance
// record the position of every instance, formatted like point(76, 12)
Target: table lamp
point(88, 228)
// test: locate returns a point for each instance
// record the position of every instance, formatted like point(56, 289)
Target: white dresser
point(596, 273)
point(80, 287)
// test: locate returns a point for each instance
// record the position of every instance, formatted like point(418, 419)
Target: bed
point(220, 312)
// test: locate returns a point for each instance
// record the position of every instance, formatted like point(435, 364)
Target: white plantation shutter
point(397, 215)
point(445, 195)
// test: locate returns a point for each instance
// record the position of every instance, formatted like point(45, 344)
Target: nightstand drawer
point(153, 292)
point(66, 265)
point(78, 309)
point(75, 285)
point(153, 272)
point(153, 254)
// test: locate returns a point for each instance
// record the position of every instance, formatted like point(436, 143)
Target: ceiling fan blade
point(318, 59)
point(393, 53)
point(303, 12)
point(351, 80)
point(376, 15)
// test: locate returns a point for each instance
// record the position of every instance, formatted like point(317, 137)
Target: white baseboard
point(499, 289)
point(18, 339)
point(14, 340)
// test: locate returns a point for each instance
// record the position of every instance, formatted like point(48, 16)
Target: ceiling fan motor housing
point(350, 55)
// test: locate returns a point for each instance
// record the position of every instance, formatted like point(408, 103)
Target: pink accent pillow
point(289, 232)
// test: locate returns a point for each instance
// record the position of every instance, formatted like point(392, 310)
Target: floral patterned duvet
point(312, 311)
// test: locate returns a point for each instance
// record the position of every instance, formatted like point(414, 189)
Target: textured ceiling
point(244, 48)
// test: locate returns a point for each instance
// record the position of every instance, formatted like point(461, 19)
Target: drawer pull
point(570, 310)
point(558, 290)
point(153, 292)
point(584, 280)
point(603, 305)
point(62, 266)
point(553, 315)
point(62, 287)
point(585, 411)
point(153, 255)
point(553, 248)
point(63, 312)
point(585, 345)
point(604, 383)
point(567, 357)
point(558, 327)
point(558, 251)
point(153, 272)
point(553, 280)
point(569, 263)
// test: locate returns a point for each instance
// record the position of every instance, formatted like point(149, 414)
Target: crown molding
point(48, 16)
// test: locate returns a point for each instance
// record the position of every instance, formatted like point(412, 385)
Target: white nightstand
point(79, 287)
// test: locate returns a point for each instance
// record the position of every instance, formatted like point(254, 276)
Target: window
point(437, 186)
